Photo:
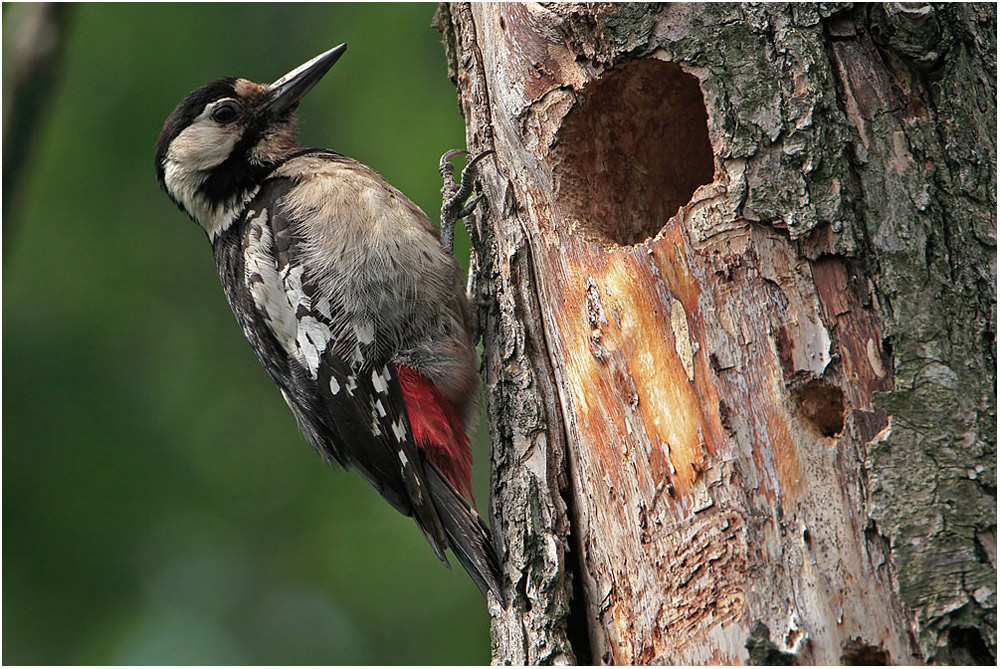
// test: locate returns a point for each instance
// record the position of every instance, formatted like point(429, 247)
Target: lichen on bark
point(930, 215)
point(781, 399)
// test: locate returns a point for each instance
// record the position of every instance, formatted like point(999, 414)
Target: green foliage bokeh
point(159, 505)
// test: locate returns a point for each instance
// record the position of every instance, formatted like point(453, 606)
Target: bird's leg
point(454, 207)
point(454, 195)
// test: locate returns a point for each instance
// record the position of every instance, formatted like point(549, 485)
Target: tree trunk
point(737, 281)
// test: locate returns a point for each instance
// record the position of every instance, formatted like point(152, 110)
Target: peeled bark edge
point(528, 467)
point(900, 81)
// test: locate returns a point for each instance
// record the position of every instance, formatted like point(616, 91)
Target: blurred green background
point(159, 505)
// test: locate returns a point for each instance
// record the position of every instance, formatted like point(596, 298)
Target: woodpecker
point(353, 304)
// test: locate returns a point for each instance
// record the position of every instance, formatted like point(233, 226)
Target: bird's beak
point(285, 92)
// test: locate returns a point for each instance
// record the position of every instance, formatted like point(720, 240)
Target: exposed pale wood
point(737, 275)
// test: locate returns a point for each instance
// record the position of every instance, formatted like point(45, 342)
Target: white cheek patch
point(198, 149)
point(203, 145)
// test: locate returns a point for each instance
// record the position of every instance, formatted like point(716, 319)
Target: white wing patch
point(281, 299)
point(323, 307)
point(365, 333)
point(380, 380)
point(399, 430)
point(312, 337)
point(261, 276)
point(358, 356)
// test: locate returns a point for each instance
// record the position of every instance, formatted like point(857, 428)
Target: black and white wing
point(348, 402)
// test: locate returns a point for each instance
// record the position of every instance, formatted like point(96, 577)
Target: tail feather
point(468, 535)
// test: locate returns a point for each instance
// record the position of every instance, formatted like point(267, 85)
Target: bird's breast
point(370, 256)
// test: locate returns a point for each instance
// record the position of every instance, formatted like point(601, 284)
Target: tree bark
point(737, 280)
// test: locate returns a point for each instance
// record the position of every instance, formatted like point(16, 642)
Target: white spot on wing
point(399, 430)
point(334, 386)
point(352, 383)
point(365, 332)
point(359, 357)
point(379, 408)
point(323, 307)
point(380, 381)
point(402, 456)
point(313, 338)
point(261, 277)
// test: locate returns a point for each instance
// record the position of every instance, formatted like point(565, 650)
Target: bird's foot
point(454, 195)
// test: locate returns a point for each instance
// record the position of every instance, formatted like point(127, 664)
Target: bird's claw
point(470, 206)
point(454, 195)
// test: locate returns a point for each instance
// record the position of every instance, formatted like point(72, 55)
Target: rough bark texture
point(737, 276)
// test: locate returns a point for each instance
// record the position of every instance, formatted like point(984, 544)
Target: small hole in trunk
point(823, 406)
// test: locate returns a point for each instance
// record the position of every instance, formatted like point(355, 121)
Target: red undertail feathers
point(438, 430)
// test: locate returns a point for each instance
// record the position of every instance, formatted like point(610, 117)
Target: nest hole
point(632, 151)
point(965, 645)
point(859, 652)
point(822, 404)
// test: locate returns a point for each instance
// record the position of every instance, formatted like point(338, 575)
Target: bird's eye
point(224, 113)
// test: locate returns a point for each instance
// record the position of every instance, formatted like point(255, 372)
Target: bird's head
point(224, 138)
